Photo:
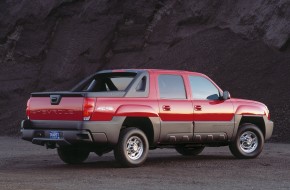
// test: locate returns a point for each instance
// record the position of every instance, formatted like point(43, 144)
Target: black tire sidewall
point(189, 151)
point(71, 155)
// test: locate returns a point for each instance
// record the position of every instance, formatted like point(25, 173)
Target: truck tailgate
point(56, 106)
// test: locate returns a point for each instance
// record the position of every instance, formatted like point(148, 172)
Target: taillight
point(88, 108)
point(28, 108)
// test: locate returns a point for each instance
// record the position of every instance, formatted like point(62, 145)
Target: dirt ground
point(31, 167)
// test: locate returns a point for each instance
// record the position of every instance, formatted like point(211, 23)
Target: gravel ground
point(27, 166)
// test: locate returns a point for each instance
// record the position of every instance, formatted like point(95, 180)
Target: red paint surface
point(180, 110)
point(69, 108)
point(72, 108)
point(133, 107)
point(213, 110)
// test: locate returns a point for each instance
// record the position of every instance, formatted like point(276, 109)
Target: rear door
point(175, 109)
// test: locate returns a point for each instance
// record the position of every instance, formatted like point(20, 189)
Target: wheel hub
point(134, 148)
point(248, 142)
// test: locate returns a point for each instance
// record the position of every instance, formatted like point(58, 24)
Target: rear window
point(109, 82)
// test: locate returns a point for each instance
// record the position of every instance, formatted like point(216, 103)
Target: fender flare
point(246, 110)
point(142, 111)
point(250, 110)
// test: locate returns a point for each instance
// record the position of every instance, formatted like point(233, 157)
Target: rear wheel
point(72, 155)
point(132, 148)
point(249, 142)
point(189, 151)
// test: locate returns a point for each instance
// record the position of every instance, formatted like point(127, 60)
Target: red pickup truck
point(131, 111)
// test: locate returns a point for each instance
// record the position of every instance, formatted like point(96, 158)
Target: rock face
point(50, 45)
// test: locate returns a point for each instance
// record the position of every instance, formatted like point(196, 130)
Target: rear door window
point(171, 87)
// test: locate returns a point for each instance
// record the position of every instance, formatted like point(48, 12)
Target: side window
point(203, 89)
point(171, 86)
point(141, 85)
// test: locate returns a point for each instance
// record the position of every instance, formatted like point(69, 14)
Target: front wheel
point(71, 155)
point(132, 148)
point(248, 143)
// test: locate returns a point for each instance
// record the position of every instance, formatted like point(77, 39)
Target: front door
point(211, 113)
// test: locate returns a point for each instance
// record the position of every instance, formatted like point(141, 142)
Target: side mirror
point(226, 95)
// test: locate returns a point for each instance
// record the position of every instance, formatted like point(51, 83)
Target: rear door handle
point(166, 108)
point(197, 108)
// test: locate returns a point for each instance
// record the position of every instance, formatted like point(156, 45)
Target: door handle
point(166, 108)
point(197, 108)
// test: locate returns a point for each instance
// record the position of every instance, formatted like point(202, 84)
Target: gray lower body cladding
point(106, 133)
point(269, 125)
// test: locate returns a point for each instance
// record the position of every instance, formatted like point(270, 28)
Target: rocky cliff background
point(243, 45)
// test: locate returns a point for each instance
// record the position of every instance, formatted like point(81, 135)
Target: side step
point(209, 137)
point(197, 137)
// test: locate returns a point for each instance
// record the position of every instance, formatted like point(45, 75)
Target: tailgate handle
point(55, 99)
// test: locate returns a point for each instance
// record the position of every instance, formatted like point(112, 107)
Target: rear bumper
point(72, 132)
point(42, 137)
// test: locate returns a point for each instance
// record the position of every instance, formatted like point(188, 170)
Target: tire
point(189, 151)
point(132, 148)
point(71, 155)
point(248, 143)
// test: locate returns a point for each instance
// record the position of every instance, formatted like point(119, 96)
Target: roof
point(152, 71)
